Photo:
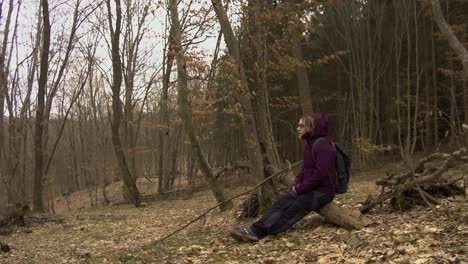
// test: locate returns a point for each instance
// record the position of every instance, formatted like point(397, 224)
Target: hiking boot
point(244, 234)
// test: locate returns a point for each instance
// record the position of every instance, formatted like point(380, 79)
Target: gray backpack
point(343, 165)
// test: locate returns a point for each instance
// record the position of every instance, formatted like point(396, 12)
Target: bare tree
point(39, 124)
point(249, 124)
point(9, 155)
point(45, 104)
point(4, 77)
point(452, 39)
point(186, 112)
point(303, 83)
point(168, 59)
point(262, 113)
point(129, 181)
point(132, 64)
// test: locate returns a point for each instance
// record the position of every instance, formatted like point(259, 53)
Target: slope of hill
point(125, 234)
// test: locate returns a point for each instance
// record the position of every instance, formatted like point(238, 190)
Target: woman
point(313, 187)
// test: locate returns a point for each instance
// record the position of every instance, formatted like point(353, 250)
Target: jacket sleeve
point(316, 172)
point(298, 178)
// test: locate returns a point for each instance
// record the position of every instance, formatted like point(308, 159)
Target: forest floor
point(125, 234)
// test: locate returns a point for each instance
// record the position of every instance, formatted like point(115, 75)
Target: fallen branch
point(423, 176)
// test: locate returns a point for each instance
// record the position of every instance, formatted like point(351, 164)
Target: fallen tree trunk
point(344, 217)
point(426, 174)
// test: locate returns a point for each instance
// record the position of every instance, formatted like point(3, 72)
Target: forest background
point(98, 92)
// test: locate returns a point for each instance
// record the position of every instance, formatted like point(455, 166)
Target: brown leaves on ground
point(124, 234)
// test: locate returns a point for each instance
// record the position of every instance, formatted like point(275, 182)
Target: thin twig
point(230, 199)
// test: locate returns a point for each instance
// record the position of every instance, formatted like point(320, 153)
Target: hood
point(320, 129)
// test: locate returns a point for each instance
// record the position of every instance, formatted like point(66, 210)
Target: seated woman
point(313, 187)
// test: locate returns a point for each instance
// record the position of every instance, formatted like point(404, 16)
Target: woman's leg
point(302, 206)
point(262, 227)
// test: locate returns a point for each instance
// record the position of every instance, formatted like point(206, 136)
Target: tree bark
point(185, 110)
point(454, 43)
point(39, 124)
point(3, 82)
point(303, 84)
point(465, 106)
point(129, 181)
point(26, 107)
point(343, 217)
point(8, 156)
point(132, 43)
point(164, 127)
point(264, 126)
point(249, 125)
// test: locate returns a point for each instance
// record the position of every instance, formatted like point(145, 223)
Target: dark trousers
point(287, 210)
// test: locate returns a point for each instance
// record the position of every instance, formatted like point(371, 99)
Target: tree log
point(344, 217)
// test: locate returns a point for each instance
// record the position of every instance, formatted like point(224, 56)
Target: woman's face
point(302, 128)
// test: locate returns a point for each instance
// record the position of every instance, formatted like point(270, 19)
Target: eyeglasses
point(301, 125)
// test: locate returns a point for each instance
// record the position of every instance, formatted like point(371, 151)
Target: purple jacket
point(318, 175)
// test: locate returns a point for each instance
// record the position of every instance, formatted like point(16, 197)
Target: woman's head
point(306, 124)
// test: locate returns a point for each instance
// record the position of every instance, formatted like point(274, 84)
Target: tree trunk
point(302, 78)
point(129, 181)
point(8, 156)
point(105, 199)
point(171, 160)
point(346, 218)
point(249, 125)
point(435, 105)
point(303, 83)
point(454, 43)
point(26, 104)
point(185, 110)
point(3, 84)
point(267, 143)
point(264, 127)
point(39, 124)
point(164, 127)
point(465, 106)
point(129, 128)
point(132, 41)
